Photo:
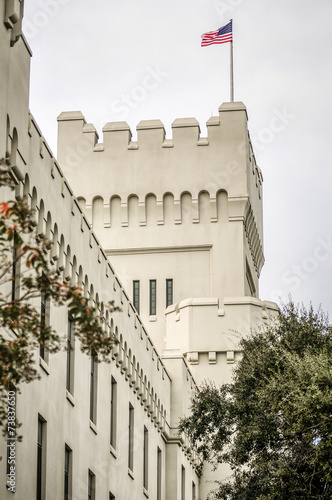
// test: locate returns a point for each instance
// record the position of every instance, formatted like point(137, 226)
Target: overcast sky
point(95, 56)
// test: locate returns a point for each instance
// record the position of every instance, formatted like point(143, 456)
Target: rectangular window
point(70, 356)
point(146, 459)
point(169, 292)
point(131, 438)
point(136, 295)
point(193, 491)
point(113, 412)
point(41, 455)
point(183, 483)
point(153, 298)
point(93, 390)
point(91, 485)
point(159, 466)
point(68, 469)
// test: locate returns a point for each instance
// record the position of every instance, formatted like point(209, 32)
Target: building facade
point(171, 230)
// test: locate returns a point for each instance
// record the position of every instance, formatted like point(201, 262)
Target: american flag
point(222, 35)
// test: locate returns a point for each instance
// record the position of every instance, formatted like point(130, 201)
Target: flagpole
point(231, 67)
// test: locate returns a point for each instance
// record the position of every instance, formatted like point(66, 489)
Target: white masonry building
point(171, 230)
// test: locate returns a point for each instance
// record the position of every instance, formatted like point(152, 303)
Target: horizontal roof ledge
point(88, 128)
point(71, 115)
point(115, 126)
point(213, 120)
point(233, 106)
point(185, 122)
point(150, 124)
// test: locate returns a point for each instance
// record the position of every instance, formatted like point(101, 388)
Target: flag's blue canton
point(225, 29)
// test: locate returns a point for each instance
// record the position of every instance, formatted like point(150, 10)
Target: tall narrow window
point(41, 453)
point(159, 469)
point(193, 489)
point(136, 295)
point(131, 438)
point(169, 292)
point(113, 412)
point(91, 485)
point(111, 496)
point(146, 459)
point(153, 298)
point(68, 478)
point(70, 356)
point(93, 390)
point(183, 483)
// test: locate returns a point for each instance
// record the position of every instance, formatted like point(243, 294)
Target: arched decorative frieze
point(98, 212)
point(60, 262)
point(119, 351)
point(204, 207)
point(133, 210)
point(41, 221)
point(55, 244)
point(124, 357)
point(80, 277)
point(68, 267)
point(13, 148)
point(82, 203)
point(74, 274)
point(129, 365)
point(168, 209)
point(132, 378)
point(8, 138)
point(151, 209)
point(33, 205)
point(48, 226)
point(26, 189)
point(186, 208)
point(86, 286)
point(137, 382)
point(115, 211)
point(222, 206)
point(91, 294)
point(150, 401)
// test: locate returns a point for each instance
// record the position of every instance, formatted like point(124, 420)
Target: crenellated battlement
point(185, 131)
point(186, 162)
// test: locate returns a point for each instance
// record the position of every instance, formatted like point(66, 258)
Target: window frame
point(113, 412)
point(152, 297)
point(93, 389)
point(70, 356)
point(146, 459)
point(91, 485)
point(68, 473)
point(169, 292)
point(136, 295)
point(41, 458)
point(131, 438)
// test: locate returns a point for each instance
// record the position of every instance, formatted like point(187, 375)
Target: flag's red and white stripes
point(222, 35)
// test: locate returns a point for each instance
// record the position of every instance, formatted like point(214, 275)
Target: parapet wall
point(187, 162)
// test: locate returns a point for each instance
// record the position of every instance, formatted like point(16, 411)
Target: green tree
point(27, 274)
point(273, 423)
